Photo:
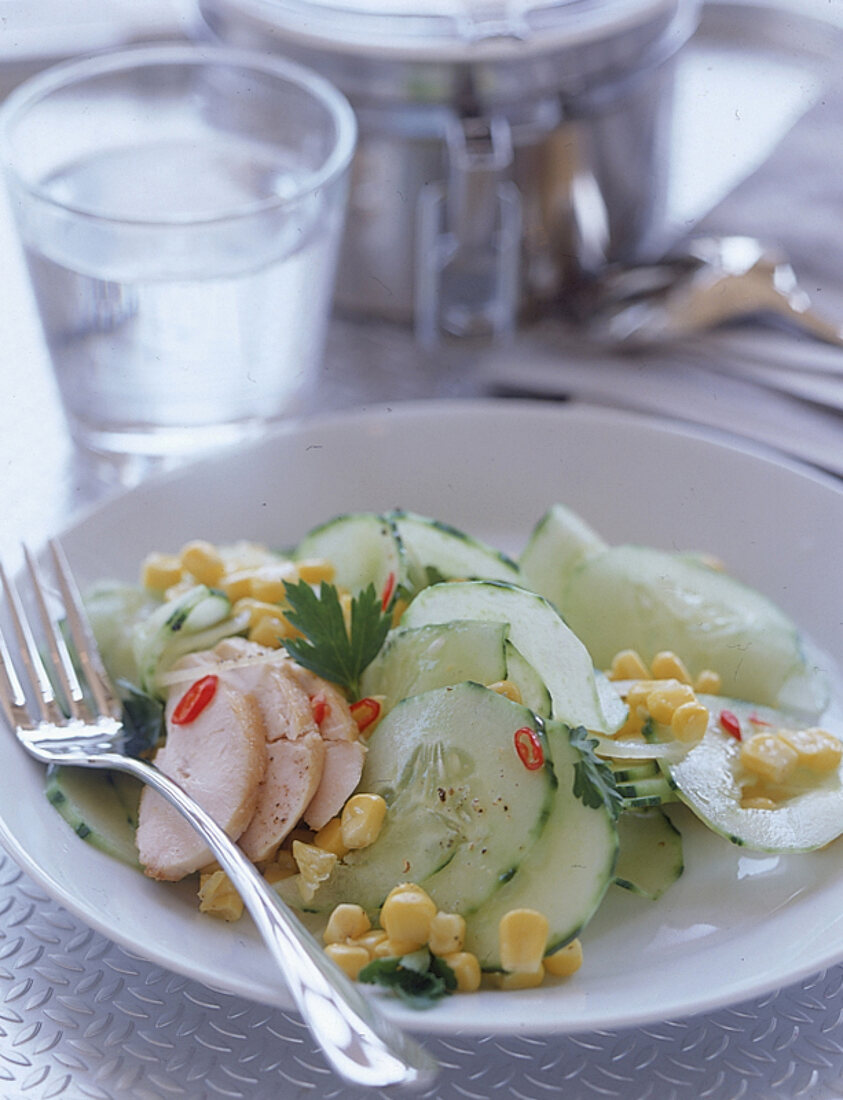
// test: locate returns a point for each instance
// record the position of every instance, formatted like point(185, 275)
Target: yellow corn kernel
point(566, 961)
point(667, 666)
point(270, 631)
point(816, 748)
point(329, 837)
point(508, 689)
point(218, 898)
point(283, 866)
point(521, 979)
point(628, 665)
point(236, 585)
point(398, 609)
point(315, 570)
point(361, 820)
point(315, 866)
point(255, 609)
point(371, 940)
point(269, 582)
point(160, 571)
point(345, 607)
point(523, 938)
point(406, 917)
point(346, 922)
point(203, 561)
point(349, 958)
point(663, 700)
point(767, 755)
point(689, 721)
point(638, 692)
point(758, 802)
point(708, 682)
point(447, 934)
point(466, 970)
point(385, 949)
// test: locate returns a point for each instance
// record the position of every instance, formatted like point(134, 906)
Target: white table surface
point(80, 1017)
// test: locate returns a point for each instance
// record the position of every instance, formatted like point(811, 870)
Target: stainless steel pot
point(509, 149)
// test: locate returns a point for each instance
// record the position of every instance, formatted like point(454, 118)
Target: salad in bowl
point(444, 758)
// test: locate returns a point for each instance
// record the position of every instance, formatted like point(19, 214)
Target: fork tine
point(12, 696)
point(63, 669)
point(97, 677)
point(38, 677)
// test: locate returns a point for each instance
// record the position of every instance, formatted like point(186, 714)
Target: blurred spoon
point(716, 279)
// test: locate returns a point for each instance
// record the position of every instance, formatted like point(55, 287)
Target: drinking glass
point(181, 209)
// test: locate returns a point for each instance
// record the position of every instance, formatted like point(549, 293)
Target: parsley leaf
point(594, 781)
point(327, 648)
point(420, 979)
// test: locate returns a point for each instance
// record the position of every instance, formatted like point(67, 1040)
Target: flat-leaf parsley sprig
point(328, 648)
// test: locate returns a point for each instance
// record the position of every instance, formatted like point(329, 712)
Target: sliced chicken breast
point(333, 714)
point(340, 776)
point(220, 760)
point(293, 774)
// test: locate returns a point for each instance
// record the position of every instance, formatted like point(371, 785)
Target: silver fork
point(358, 1041)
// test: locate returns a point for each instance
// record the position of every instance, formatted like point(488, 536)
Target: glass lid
point(449, 27)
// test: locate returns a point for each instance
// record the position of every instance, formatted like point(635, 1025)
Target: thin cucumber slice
point(650, 856)
point(535, 628)
point(100, 806)
point(437, 551)
point(114, 610)
point(458, 796)
point(650, 791)
point(195, 620)
point(534, 693)
point(413, 661)
point(559, 542)
point(465, 736)
point(565, 873)
point(414, 842)
point(364, 549)
point(649, 600)
point(708, 780)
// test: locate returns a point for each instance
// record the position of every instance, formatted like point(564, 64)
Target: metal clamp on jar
point(508, 149)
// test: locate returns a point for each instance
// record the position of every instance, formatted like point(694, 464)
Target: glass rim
point(65, 74)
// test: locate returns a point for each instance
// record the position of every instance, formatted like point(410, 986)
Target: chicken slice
point(334, 716)
point(293, 774)
point(220, 760)
point(340, 775)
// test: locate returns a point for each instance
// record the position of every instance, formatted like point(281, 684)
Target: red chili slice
point(529, 748)
point(388, 590)
point(365, 712)
point(194, 701)
point(320, 707)
point(730, 723)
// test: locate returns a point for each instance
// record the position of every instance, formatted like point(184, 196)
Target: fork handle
point(358, 1041)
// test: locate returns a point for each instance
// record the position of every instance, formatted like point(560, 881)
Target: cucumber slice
point(195, 620)
point(437, 551)
point(534, 693)
point(413, 661)
point(100, 806)
point(414, 842)
point(114, 610)
point(557, 655)
point(559, 542)
point(707, 779)
point(565, 873)
point(650, 791)
point(650, 600)
point(364, 549)
point(650, 856)
point(462, 809)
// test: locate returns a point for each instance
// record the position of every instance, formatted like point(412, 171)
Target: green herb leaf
point(594, 781)
point(417, 980)
point(328, 649)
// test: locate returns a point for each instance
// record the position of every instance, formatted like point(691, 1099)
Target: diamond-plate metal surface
point(83, 1019)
